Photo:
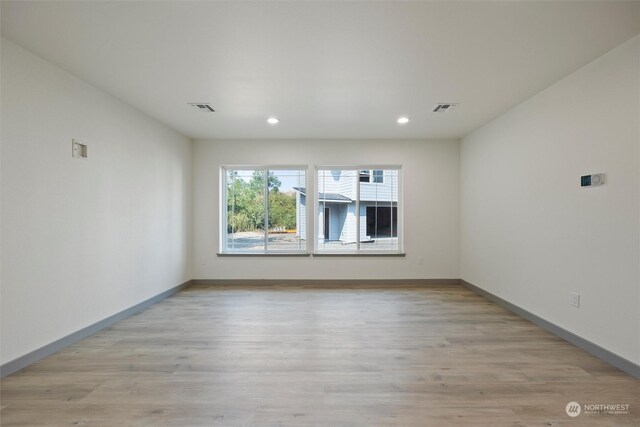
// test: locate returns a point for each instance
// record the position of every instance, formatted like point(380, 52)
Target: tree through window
point(265, 210)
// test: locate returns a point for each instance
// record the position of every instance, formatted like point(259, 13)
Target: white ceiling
point(326, 69)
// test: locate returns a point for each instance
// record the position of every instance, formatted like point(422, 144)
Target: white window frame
point(357, 250)
point(223, 210)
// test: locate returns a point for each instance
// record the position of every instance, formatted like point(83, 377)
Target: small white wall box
point(78, 150)
point(592, 180)
point(575, 299)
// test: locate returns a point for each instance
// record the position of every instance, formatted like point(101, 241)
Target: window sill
point(361, 254)
point(262, 254)
point(306, 254)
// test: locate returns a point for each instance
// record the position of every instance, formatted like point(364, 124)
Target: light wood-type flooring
point(318, 356)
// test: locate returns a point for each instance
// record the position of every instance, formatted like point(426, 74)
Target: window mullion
point(266, 209)
point(399, 214)
point(391, 208)
point(224, 209)
point(233, 211)
point(357, 214)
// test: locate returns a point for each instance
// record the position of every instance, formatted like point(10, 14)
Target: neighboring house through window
point(357, 210)
point(264, 210)
point(376, 176)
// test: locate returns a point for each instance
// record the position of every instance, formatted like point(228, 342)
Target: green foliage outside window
point(246, 204)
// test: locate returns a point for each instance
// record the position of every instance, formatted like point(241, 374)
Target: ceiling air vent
point(205, 108)
point(443, 108)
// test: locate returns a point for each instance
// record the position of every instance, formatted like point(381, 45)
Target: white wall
point(431, 177)
point(83, 239)
point(531, 235)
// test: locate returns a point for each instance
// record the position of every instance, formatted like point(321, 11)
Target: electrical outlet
point(203, 261)
point(575, 300)
point(421, 261)
point(78, 150)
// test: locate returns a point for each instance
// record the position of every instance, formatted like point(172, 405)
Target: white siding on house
point(343, 221)
point(301, 215)
point(320, 227)
point(332, 181)
point(387, 190)
point(348, 183)
point(344, 182)
point(363, 222)
point(337, 218)
point(349, 231)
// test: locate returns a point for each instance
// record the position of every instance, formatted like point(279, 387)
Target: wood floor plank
point(318, 356)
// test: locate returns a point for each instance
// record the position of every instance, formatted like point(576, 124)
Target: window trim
point(357, 251)
point(223, 251)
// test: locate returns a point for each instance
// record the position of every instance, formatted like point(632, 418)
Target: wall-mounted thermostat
point(78, 150)
point(592, 180)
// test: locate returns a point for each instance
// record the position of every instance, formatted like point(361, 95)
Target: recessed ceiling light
point(273, 120)
point(403, 120)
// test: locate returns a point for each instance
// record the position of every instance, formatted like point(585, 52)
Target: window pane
point(379, 212)
point(336, 213)
point(245, 210)
point(287, 210)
